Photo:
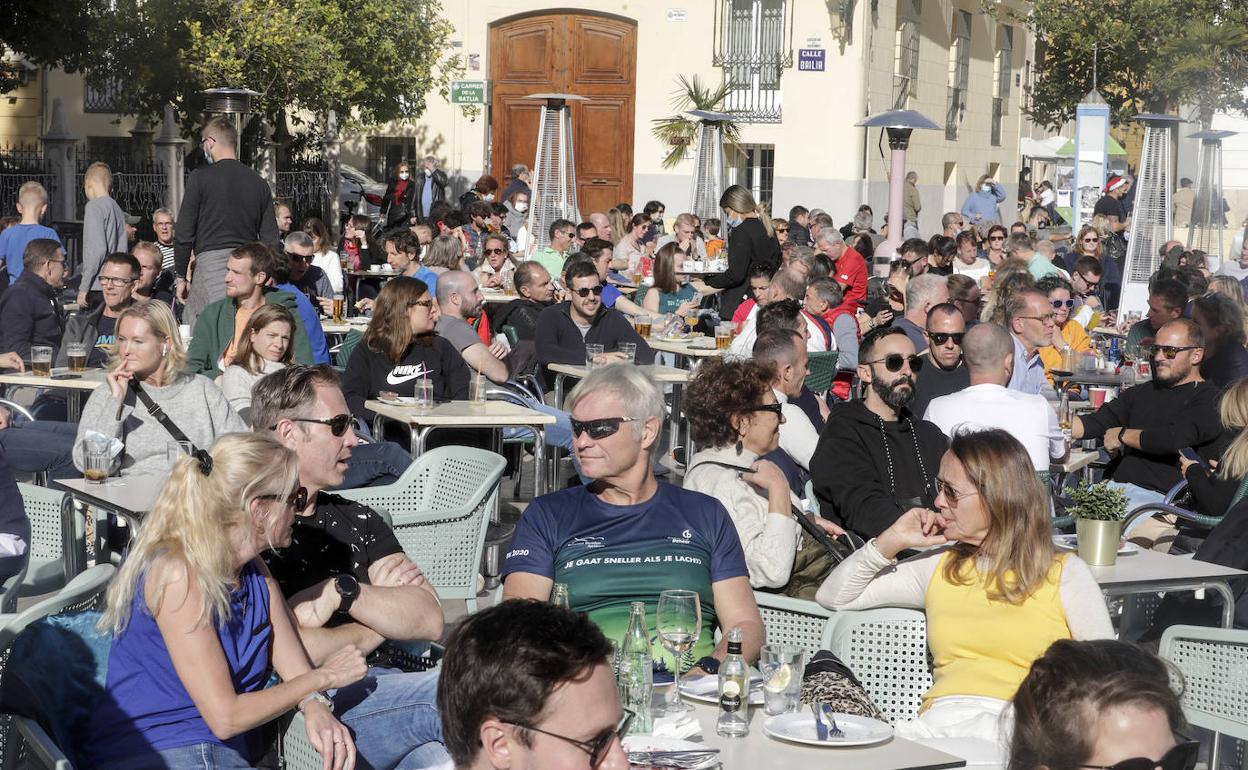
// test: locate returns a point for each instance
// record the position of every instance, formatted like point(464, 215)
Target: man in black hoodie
point(875, 460)
point(564, 329)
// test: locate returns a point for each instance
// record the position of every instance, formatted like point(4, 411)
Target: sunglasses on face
point(1091, 283)
point(1091, 240)
point(585, 291)
point(297, 257)
point(1058, 304)
point(596, 748)
point(1169, 352)
point(600, 428)
point(894, 361)
point(996, 237)
point(495, 251)
point(427, 304)
point(297, 499)
point(782, 229)
point(338, 424)
point(1181, 757)
point(940, 338)
point(775, 408)
point(951, 494)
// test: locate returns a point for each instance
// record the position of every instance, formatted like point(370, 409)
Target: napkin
point(709, 684)
point(677, 726)
point(95, 440)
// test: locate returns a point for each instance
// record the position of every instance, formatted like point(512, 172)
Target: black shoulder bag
point(159, 414)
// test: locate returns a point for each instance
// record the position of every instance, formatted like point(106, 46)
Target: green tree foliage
point(680, 130)
point(1150, 55)
point(47, 33)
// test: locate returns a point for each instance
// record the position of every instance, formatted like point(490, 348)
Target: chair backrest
point(56, 537)
point(886, 648)
point(1214, 664)
point(10, 590)
point(349, 342)
point(798, 622)
point(439, 510)
point(822, 367)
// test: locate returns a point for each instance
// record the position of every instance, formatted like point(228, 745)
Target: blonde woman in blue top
point(198, 623)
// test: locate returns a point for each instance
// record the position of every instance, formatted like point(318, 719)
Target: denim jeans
point(373, 464)
point(1137, 496)
point(37, 446)
point(199, 756)
point(394, 718)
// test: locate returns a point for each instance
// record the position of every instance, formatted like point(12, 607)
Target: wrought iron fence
point(139, 188)
point(18, 165)
point(306, 191)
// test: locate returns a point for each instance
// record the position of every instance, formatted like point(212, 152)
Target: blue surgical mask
point(986, 187)
point(733, 221)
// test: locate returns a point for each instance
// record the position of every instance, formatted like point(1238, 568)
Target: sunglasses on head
point(598, 747)
point(1058, 304)
point(297, 499)
point(1169, 352)
point(600, 428)
point(338, 424)
point(585, 291)
point(940, 338)
point(894, 361)
point(1181, 757)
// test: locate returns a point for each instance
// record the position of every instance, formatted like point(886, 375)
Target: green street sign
point(467, 92)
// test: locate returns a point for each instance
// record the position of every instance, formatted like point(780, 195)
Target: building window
point(959, 72)
point(754, 44)
point(754, 168)
point(906, 58)
point(102, 99)
point(1002, 72)
point(386, 152)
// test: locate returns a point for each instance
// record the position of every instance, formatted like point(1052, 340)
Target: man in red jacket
point(849, 267)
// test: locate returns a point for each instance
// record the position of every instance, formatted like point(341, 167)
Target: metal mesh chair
point(1214, 664)
point(886, 648)
point(822, 370)
point(439, 510)
point(58, 547)
point(798, 622)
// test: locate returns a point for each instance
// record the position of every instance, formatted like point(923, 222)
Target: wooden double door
point(589, 55)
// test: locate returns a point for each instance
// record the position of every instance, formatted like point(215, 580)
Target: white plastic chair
point(1214, 664)
point(439, 510)
point(58, 549)
point(798, 622)
point(886, 648)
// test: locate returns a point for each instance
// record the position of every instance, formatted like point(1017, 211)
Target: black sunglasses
point(1091, 240)
point(338, 424)
point(940, 338)
point(297, 499)
point(775, 408)
point(495, 251)
point(585, 291)
point(1058, 304)
point(894, 361)
point(1169, 351)
point(599, 746)
point(600, 428)
point(1182, 757)
point(951, 494)
point(298, 257)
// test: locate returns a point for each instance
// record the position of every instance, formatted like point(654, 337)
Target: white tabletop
point(329, 327)
point(130, 494)
point(492, 295)
point(1077, 461)
point(1153, 568)
point(684, 348)
point(757, 750)
point(655, 372)
point(464, 414)
point(88, 380)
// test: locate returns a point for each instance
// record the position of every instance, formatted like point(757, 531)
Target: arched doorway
point(591, 55)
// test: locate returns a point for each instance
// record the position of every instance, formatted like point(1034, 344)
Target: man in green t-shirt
point(551, 257)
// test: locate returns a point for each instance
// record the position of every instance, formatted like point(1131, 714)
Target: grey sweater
point(103, 232)
point(193, 403)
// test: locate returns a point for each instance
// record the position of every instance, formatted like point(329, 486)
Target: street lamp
point(898, 124)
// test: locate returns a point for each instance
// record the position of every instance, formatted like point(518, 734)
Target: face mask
point(207, 158)
point(986, 187)
point(403, 175)
point(733, 221)
point(522, 207)
point(488, 198)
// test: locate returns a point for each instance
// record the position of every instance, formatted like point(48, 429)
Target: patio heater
point(899, 124)
point(554, 170)
point(1151, 225)
point(708, 166)
point(1207, 229)
point(233, 103)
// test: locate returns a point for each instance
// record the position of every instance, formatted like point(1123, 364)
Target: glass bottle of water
point(734, 692)
point(636, 671)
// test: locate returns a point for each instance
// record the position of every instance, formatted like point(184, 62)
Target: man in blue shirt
point(1029, 318)
point(32, 202)
point(311, 318)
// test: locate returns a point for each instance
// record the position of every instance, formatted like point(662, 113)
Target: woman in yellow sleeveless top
point(996, 592)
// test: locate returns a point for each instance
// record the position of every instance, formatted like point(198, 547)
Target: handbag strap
point(155, 411)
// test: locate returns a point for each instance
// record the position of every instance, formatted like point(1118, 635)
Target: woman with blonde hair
point(1011, 275)
point(995, 590)
point(751, 241)
point(264, 348)
point(1230, 287)
point(197, 621)
point(1092, 241)
point(619, 224)
point(1214, 490)
point(148, 377)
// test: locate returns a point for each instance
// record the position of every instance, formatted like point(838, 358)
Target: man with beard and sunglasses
point(875, 460)
point(346, 578)
point(943, 371)
point(1148, 424)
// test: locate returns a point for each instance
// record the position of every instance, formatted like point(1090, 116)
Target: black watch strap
point(708, 664)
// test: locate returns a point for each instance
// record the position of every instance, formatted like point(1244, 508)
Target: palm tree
point(679, 130)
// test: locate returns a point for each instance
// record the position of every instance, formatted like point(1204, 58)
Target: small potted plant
point(1100, 511)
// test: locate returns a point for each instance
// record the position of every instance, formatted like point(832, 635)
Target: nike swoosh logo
point(393, 380)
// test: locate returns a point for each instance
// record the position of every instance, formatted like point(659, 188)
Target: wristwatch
point(708, 664)
point(348, 589)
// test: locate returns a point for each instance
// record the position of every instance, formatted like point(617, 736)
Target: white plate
point(664, 743)
point(705, 689)
point(1071, 543)
point(799, 727)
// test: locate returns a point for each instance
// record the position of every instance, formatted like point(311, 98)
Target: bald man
point(988, 350)
point(602, 224)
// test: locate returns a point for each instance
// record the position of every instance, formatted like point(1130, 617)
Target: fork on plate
point(826, 728)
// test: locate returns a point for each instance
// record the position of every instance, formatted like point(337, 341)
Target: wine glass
point(679, 624)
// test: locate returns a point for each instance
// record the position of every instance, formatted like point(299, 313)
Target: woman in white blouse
point(324, 255)
point(733, 414)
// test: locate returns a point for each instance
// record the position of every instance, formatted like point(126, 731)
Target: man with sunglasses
point(923, 293)
point(1086, 275)
point(952, 223)
point(309, 279)
point(562, 233)
point(345, 576)
point(1031, 320)
point(308, 313)
point(915, 253)
point(564, 329)
point(943, 371)
point(987, 403)
point(1148, 424)
point(875, 460)
point(1167, 299)
point(529, 685)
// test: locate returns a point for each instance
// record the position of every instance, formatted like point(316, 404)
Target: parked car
point(360, 193)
